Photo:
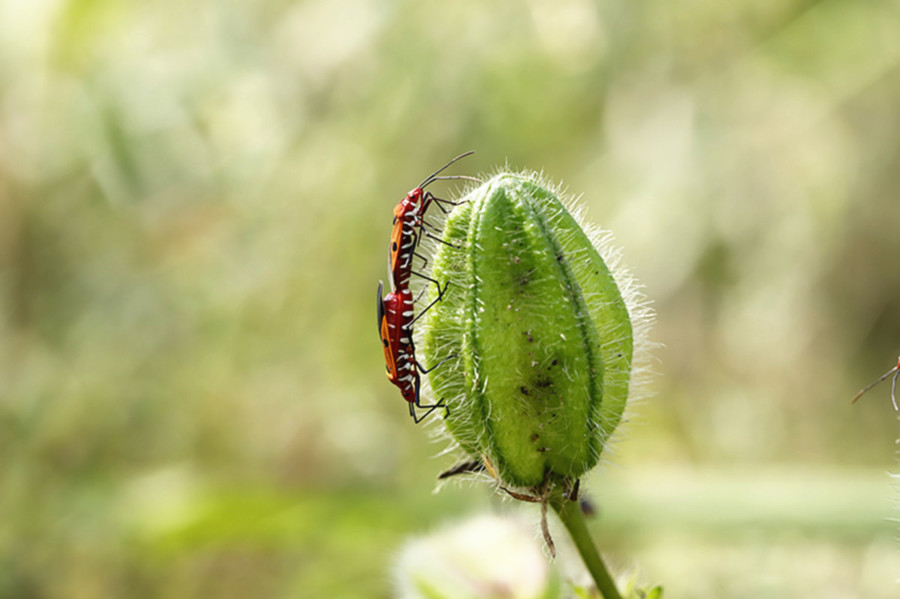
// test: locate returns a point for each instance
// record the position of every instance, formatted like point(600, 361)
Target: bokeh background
point(195, 201)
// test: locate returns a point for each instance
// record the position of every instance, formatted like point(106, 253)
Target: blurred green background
point(195, 202)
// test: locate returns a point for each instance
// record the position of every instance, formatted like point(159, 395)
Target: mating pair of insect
point(396, 310)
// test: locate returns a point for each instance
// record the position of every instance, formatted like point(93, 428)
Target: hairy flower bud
point(536, 339)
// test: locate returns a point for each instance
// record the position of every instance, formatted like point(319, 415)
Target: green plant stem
point(570, 514)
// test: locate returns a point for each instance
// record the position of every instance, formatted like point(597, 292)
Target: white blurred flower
point(483, 557)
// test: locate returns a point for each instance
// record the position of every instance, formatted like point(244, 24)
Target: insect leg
point(436, 300)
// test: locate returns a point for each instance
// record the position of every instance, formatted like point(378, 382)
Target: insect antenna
point(433, 176)
point(896, 372)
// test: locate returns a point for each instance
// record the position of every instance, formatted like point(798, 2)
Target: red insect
point(410, 225)
point(396, 313)
point(896, 372)
point(395, 320)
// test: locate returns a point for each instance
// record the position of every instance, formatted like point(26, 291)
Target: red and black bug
point(896, 372)
point(410, 224)
point(395, 320)
point(396, 313)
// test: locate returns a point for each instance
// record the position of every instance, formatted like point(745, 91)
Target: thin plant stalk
point(573, 519)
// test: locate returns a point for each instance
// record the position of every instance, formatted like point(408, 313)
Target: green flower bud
point(536, 338)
